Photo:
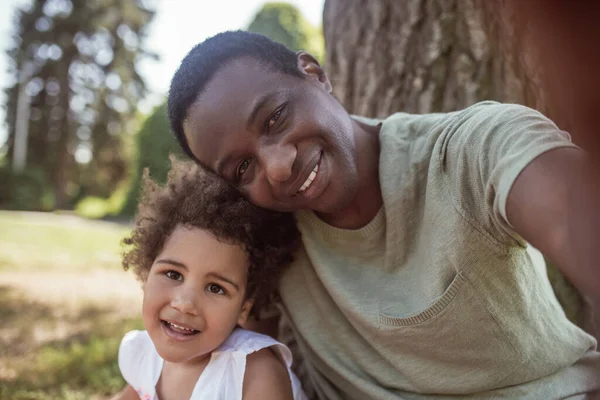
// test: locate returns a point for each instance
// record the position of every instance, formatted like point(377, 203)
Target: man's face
point(284, 141)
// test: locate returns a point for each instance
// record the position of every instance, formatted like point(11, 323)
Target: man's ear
point(245, 312)
point(313, 71)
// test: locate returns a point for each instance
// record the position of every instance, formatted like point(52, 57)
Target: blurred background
point(83, 91)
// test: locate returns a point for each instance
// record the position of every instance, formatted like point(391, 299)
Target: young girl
point(207, 259)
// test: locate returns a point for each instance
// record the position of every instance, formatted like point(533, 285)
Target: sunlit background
point(176, 27)
point(83, 91)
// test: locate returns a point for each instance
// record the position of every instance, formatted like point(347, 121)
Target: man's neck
point(368, 200)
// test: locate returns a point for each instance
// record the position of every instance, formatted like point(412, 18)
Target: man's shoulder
point(403, 129)
point(409, 141)
point(403, 119)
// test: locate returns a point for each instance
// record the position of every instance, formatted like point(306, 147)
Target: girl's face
point(194, 295)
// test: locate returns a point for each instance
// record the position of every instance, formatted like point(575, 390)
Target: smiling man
point(416, 279)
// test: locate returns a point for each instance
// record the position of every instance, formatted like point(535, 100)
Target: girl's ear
point(245, 312)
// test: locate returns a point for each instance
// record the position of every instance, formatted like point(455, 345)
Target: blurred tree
point(81, 89)
point(153, 144)
point(285, 24)
point(426, 56)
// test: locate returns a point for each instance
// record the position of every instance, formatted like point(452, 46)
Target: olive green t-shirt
point(438, 296)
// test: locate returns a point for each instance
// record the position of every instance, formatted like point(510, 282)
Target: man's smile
point(311, 171)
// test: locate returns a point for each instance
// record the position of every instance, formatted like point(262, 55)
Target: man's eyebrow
point(171, 262)
point(258, 104)
point(221, 163)
point(221, 277)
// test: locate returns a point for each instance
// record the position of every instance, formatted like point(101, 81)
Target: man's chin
point(332, 210)
point(335, 207)
point(325, 204)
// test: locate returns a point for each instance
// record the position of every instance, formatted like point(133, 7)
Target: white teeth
point(180, 327)
point(310, 179)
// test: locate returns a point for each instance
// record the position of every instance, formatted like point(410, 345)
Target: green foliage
point(25, 190)
point(285, 24)
point(83, 89)
point(154, 142)
point(93, 207)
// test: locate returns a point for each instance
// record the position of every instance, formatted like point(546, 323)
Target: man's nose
point(278, 160)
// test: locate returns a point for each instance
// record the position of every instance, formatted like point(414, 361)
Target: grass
point(57, 242)
point(64, 307)
point(77, 359)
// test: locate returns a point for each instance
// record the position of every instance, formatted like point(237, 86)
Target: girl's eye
point(243, 167)
point(274, 118)
point(176, 276)
point(215, 289)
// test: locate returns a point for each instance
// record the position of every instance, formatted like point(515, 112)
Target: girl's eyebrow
point(172, 262)
point(225, 279)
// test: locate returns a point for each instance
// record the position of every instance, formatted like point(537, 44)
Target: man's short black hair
point(206, 58)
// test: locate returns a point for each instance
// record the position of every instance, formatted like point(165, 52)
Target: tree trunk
point(413, 55)
point(420, 56)
point(64, 157)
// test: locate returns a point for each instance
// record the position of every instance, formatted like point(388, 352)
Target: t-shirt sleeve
point(485, 148)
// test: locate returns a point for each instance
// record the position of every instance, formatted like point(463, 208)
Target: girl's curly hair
point(197, 198)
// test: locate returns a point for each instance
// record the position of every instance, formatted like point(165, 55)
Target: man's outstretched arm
point(554, 205)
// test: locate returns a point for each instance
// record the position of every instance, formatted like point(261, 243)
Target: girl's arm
point(127, 394)
point(266, 378)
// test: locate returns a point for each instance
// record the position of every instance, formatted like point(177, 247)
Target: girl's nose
point(186, 303)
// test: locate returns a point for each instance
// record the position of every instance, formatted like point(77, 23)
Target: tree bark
point(420, 56)
point(413, 55)
point(64, 157)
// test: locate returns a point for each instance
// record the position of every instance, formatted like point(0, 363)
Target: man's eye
point(215, 289)
point(274, 118)
point(243, 167)
point(176, 276)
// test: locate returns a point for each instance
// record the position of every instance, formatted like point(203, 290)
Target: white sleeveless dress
point(222, 378)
